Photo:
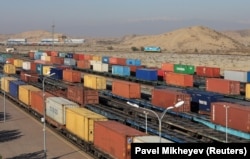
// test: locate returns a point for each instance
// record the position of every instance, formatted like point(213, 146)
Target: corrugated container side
point(85, 64)
point(147, 74)
point(18, 62)
point(9, 69)
point(223, 86)
point(126, 89)
point(5, 83)
point(24, 93)
point(37, 101)
point(80, 121)
point(117, 61)
point(185, 69)
point(9, 61)
point(207, 71)
point(88, 57)
point(120, 70)
point(237, 115)
point(94, 82)
point(101, 67)
point(97, 58)
point(13, 87)
point(135, 62)
point(26, 65)
point(247, 94)
point(46, 70)
point(114, 138)
point(134, 68)
point(57, 60)
point(165, 98)
point(178, 79)
point(235, 75)
point(71, 75)
point(55, 108)
point(150, 139)
point(82, 96)
point(167, 67)
point(76, 56)
point(62, 54)
point(34, 76)
point(54, 53)
point(58, 73)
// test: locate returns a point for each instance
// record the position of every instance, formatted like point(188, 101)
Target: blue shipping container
point(58, 73)
point(135, 62)
point(105, 59)
point(39, 69)
point(13, 87)
point(62, 54)
point(146, 74)
point(120, 70)
point(37, 55)
point(69, 55)
point(204, 99)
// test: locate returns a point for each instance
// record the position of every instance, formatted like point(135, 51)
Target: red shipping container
point(114, 138)
point(160, 73)
point(207, 71)
point(178, 79)
point(57, 60)
point(10, 61)
point(32, 66)
point(82, 95)
point(88, 57)
point(81, 56)
point(48, 53)
point(31, 55)
point(36, 100)
point(236, 116)
point(133, 68)
point(54, 53)
point(117, 61)
point(169, 67)
point(85, 64)
point(76, 56)
point(126, 89)
point(33, 78)
point(71, 76)
point(165, 98)
point(223, 86)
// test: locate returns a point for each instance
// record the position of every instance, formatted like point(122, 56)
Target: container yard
point(86, 100)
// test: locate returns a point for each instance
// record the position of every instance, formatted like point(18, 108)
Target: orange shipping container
point(223, 86)
point(178, 79)
point(133, 68)
point(71, 76)
point(76, 56)
point(53, 53)
point(169, 67)
point(117, 61)
point(88, 57)
point(126, 89)
point(57, 60)
point(34, 76)
point(114, 138)
point(10, 61)
point(81, 56)
point(207, 71)
point(32, 66)
point(85, 64)
point(31, 55)
point(36, 100)
point(165, 98)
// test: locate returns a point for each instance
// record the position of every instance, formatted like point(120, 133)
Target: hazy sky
point(109, 18)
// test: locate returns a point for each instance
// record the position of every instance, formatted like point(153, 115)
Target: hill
point(243, 36)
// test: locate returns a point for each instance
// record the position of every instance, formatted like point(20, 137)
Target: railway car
point(178, 79)
point(205, 71)
point(126, 89)
point(147, 74)
point(184, 69)
point(235, 75)
point(152, 49)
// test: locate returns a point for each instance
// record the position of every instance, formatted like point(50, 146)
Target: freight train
point(180, 75)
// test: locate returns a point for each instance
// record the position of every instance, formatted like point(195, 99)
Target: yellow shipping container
point(47, 58)
point(9, 69)
point(80, 121)
point(24, 93)
point(5, 82)
point(247, 96)
point(97, 58)
point(94, 82)
point(46, 70)
point(18, 63)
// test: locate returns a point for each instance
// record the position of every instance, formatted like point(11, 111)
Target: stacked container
point(9, 69)
point(205, 71)
point(242, 76)
point(101, 67)
point(117, 61)
point(168, 67)
point(120, 70)
point(71, 76)
point(56, 108)
point(24, 93)
point(14, 87)
point(126, 89)
point(5, 82)
point(147, 74)
point(184, 69)
point(85, 64)
point(178, 79)
point(94, 82)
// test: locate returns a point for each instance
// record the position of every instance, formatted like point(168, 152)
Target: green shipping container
point(184, 69)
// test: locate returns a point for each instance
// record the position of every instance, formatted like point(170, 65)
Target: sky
point(116, 18)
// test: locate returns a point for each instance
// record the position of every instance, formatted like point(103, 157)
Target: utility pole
point(53, 26)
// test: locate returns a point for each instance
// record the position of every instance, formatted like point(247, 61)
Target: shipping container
point(134, 68)
point(80, 121)
point(39, 69)
point(37, 101)
point(26, 65)
point(4, 57)
point(85, 64)
point(223, 86)
point(32, 67)
point(169, 67)
point(71, 75)
point(235, 116)
point(242, 76)
point(31, 55)
point(101, 67)
point(147, 74)
point(18, 63)
point(247, 94)
point(82, 96)
point(92, 62)
point(184, 69)
point(58, 73)
point(76, 56)
point(57, 60)
point(126, 89)
point(117, 61)
point(37, 55)
point(105, 59)
point(62, 54)
point(42, 62)
point(135, 62)
point(10, 61)
point(43, 58)
point(32, 77)
point(55, 108)
point(5, 83)
point(115, 138)
point(81, 56)
point(14, 87)
point(24, 93)
point(9, 69)
point(69, 61)
point(94, 82)
point(46, 70)
point(48, 58)
point(97, 58)
point(69, 55)
point(205, 71)
point(54, 53)
point(120, 70)
point(88, 57)
point(150, 139)
point(165, 98)
point(179, 79)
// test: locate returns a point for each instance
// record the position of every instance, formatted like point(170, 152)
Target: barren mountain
point(242, 36)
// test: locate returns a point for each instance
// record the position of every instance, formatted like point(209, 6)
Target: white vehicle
point(10, 49)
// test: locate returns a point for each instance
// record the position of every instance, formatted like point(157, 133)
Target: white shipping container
point(92, 62)
point(55, 108)
point(242, 76)
point(43, 58)
point(26, 65)
point(101, 67)
point(69, 61)
point(150, 139)
point(44, 54)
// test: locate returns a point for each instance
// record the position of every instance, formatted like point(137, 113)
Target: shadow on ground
point(7, 117)
point(7, 135)
point(34, 155)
